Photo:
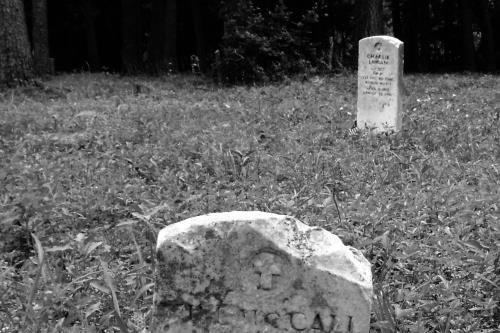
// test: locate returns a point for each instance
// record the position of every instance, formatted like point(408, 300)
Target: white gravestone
point(251, 272)
point(380, 79)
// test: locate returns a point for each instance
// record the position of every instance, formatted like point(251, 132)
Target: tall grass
point(93, 166)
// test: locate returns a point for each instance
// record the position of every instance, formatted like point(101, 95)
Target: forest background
point(242, 40)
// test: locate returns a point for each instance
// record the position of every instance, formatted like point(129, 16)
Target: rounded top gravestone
point(380, 78)
point(253, 272)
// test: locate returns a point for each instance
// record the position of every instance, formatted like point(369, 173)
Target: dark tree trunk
point(369, 18)
point(163, 42)
point(198, 32)
point(131, 35)
point(468, 56)
point(410, 35)
point(155, 48)
point(451, 39)
point(15, 56)
point(425, 33)
point(89, 15)
point(396, 19)
point(40, 38)
point(171, 33)
point(488, 40)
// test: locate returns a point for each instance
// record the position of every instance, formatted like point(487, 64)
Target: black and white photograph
point(250, 166)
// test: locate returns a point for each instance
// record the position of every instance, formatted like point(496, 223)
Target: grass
point(92, 166)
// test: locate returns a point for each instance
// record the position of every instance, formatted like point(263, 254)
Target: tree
point(40, 38)
point(396, 19)
point(89, 15)
point(15, 57)
point(171, 32)
point(468, 54)
point(369, 18)
point(450, 35)
point(163, 43)
point(410, 35)
point(131, 35)
point(424, 29)
point(199, 34)
point(488, 40)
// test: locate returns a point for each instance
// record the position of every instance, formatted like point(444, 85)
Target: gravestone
point(380, 79)
point(252, 272)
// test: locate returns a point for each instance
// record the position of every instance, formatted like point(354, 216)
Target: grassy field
point(92, 166)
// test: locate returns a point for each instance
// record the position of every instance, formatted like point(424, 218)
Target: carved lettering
point(250, 316)
point(272, 319)
point(299, 321)
point(322, 320)
point(378, 59)
point(377, 84)
point(377, 56)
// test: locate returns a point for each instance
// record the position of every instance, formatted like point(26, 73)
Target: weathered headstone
point(250, 272)
point(380, 79)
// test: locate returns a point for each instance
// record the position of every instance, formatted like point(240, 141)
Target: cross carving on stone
point(267, 266)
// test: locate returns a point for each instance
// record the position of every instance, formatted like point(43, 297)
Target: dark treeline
point(132, 35)
point(245, 40)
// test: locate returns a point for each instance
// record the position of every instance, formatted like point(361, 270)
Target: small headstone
point(251, 272)
point(380, 79)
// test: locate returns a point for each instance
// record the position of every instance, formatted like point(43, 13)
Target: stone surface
point(251, 272)
point(380, 79)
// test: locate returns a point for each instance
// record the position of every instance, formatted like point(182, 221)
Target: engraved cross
point(267, 266)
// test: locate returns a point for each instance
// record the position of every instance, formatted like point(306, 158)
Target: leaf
point(86, 114)
point(142, 291)
point(39, 273)
point(100, 287)
point(59, 325)
point(65, 211)
point(109, 282)
point(127, 222)
point(80, 237)
point(424, 169)
point(39, 249)
point(140, 216)
point(92, 308)
point(383, 239)
point(58, 248)
point(402, 313)
point(475, 244)
point(138, 249)
point(9, 217)
point(91, 247)
point(327, 202)
point(151, 212)
point(384, 312)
